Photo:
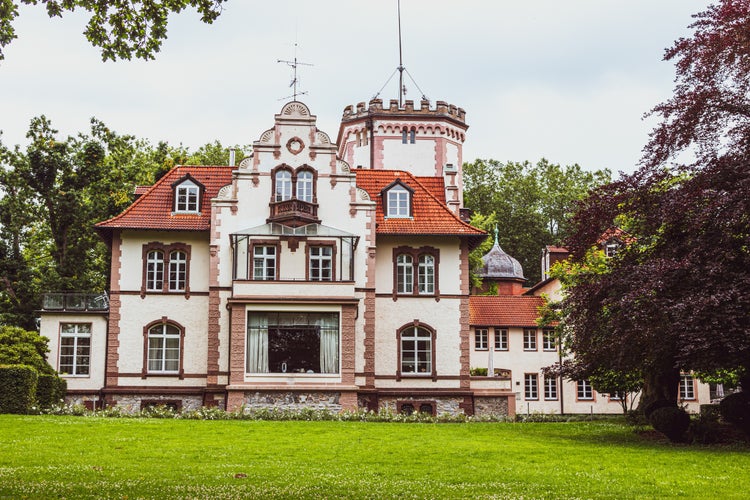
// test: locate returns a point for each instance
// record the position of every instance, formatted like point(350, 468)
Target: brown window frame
point(433, 361)
point(166, 250)
point(415, 254)
point(251, 257)
point(180, 373)
point(334, 252)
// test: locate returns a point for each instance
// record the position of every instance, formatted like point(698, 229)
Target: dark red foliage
point(678, 296)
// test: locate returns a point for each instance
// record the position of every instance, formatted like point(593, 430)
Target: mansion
point(331, 275)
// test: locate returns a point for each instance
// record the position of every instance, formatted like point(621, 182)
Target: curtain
point(329, 343)
point(257, 343)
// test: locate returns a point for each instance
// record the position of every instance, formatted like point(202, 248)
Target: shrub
point(50, 390)
point(655, 405)
point(705, 429)
point(735, 409)
point(671, 421)
point(478, 372)
point(17, 389)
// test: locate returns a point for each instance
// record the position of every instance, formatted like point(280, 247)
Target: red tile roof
point(504, 310)
point(430, 214)
point(154, 208)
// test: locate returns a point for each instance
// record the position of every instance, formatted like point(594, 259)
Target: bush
point(50, 390)
point(735, 409)
point(17, 389)
point(705, 429)
point(655, 405)
point(671, 421)
point(478, 372)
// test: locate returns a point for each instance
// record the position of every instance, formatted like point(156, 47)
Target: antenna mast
point(401, 89)
point(295, 81)
point(400, 68)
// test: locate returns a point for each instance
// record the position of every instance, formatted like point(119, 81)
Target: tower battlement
point(375, 107)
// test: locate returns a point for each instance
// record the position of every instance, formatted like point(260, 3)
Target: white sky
point(566, 80)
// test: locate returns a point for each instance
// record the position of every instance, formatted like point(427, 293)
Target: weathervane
point(401, 68)
point(295, 81)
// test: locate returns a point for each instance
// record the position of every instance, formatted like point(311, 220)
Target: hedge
point(50, 390)
point(17, 388)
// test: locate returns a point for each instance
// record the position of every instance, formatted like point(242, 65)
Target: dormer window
point(611, 247)
point(187, 195)
point(398, 200)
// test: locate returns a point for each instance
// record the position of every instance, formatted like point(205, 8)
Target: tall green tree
point(55, 190)
point(532, 203)
point(121, 30)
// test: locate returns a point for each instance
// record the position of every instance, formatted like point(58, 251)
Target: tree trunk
point(660, 384)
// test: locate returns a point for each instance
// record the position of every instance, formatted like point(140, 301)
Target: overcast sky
point(565, 80)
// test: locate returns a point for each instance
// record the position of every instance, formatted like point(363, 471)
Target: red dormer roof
point(154, 209)
point(504, 310)
point(430, 214)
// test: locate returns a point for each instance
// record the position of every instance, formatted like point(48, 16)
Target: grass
point(78, 457)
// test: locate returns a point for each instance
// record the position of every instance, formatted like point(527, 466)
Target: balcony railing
point(75, 301)
point(294, 212)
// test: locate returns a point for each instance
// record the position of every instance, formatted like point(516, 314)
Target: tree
point(531, 202)
point(676, 297)
point(55, 191)
point(22, 347)
point(120, 29)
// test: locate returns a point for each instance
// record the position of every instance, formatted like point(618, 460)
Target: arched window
point(305, 186)
point(420, 264)
point(404, 274)
point(416, 348)
point(177, 271)
point(163, 348)
point(426, 274)
point(155, 271)
point(166, 268)
point(283, 185)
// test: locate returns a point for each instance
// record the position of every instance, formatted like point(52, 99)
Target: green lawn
point(74, 457)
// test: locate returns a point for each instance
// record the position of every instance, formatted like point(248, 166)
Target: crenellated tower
point(425, 141)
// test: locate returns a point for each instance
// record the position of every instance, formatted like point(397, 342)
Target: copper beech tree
point(676, 296)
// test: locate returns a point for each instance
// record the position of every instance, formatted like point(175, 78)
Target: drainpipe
point(562, 392)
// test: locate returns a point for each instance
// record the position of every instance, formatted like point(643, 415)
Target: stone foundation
point(443, 405)
point(133, 403)
point(485, 406)
point(331, 401)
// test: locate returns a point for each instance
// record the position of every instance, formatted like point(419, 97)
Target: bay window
point(292, 342)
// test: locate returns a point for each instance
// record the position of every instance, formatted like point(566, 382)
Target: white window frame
point(412, 336)
point(80, 362)
point(264, 262)
point(501, 339)
point(426, 274)
point(321, 263)
point(398, 202)
point(404, 274)
point(529, 339)
point(161, 348)
point(305, 186)
point(283, 185)
point(177, 271)
point(584, 390)
point(481, 337)
point(687, 388)
point(187, 197)
point(550, 388)
point(155, 271)
point(531, 386)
